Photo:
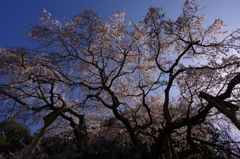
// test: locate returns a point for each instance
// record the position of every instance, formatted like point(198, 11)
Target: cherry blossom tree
point(158, 82)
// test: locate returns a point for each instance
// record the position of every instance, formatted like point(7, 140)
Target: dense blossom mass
point(103, 88)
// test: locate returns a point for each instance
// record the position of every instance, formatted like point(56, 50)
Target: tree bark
point(48, 120)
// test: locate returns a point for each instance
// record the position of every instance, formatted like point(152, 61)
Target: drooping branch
point(202, 114)
point(231, 85)
point(219, 104)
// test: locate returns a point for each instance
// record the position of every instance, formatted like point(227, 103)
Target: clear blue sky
point(14, 14)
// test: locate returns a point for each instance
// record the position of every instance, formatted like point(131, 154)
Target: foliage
point(13, 136)
point(149, 89)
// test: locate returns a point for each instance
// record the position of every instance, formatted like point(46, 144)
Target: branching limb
point(217, 103)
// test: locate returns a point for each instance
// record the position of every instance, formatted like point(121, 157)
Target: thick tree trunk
point(48, 120)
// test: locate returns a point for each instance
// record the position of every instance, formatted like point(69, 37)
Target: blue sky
point(15, 14)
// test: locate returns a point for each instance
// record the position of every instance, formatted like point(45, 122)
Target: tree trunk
point(48, 120)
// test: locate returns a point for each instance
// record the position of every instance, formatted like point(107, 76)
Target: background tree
point(105, 70)
point(14, 136)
